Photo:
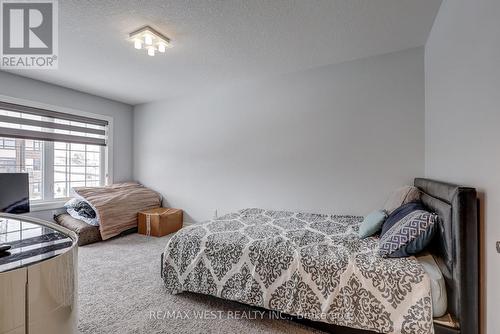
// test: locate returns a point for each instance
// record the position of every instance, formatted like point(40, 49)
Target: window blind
point(25, 122)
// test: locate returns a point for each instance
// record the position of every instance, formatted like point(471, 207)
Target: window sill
point(47, 205)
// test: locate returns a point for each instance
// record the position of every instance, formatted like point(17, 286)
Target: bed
point(315, 267)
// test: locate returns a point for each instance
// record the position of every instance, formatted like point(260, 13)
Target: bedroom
point(290, 107)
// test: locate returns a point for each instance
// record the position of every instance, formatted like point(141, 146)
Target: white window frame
point(107, 167)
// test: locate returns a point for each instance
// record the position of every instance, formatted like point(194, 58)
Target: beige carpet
point(120, 291)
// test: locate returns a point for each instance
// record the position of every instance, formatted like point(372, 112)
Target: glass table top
point(30, 242)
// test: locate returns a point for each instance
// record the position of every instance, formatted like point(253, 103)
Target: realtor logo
point(29, 34)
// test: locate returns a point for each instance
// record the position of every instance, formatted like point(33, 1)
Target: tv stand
point(37, 277)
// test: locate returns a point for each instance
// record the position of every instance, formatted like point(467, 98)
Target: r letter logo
point(29, 34)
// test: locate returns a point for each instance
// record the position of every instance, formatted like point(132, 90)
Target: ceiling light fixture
point(151, 51)
point(151, 39)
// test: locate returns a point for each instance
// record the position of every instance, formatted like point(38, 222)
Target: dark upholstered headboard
point(456, 247)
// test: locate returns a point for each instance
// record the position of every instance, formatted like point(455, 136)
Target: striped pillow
point(407, 231)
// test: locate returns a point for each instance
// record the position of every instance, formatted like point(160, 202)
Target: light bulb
point(148, 39)
point(138, 44)
point(151, 51)
point(161, 47)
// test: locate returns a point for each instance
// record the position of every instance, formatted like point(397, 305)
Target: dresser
point(38, 277)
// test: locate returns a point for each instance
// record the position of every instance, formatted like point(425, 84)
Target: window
point(58, 150)
point(76, 165)
point(19, 155)
point(71, 165)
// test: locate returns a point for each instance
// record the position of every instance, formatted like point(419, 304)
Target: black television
point(14, 193)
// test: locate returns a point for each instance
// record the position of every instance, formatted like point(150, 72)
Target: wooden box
point(160, 221)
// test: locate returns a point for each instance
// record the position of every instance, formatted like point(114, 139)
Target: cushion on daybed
point(87, 234)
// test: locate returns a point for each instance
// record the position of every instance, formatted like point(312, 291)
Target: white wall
point(38, 91)
point(462, 68)
point(332, 139)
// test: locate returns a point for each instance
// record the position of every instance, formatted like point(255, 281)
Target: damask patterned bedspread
point(308, 265)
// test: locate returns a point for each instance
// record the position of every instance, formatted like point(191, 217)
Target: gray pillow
point(400, 197)
point(372, 223)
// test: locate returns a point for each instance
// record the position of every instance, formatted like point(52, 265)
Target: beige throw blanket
point(117, 205)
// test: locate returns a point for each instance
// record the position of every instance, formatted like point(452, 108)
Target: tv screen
point(14, 193)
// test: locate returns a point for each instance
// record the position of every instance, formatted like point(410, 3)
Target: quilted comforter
point(307, 265)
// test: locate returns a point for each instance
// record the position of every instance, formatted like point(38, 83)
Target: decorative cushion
point(80, 209)
point(407, 231)
point(372, 223)
point(85, 210)
point(87, 234)
point(401, 196)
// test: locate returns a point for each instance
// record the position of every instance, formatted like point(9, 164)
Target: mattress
point(308, 265)
point(87, 234)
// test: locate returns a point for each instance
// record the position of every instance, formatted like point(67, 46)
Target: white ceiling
point(221, 40)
